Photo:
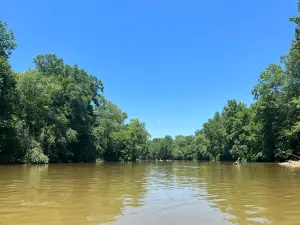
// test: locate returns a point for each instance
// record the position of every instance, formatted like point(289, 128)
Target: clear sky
point(170, 63)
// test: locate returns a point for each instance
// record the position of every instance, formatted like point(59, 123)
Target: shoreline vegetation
point(58, 113)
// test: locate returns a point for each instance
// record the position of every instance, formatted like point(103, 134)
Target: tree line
point(267, 130)
point(57, 112)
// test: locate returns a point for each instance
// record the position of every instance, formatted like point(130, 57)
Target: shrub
point(35, 156)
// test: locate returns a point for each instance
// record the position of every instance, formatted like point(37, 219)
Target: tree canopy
point(267, 130)
point(57, 112)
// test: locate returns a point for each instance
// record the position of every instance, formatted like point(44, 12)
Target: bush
point(35, 156)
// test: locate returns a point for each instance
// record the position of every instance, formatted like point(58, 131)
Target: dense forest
point(58, 113)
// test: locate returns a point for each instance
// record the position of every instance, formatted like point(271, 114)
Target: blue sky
point(170, 63)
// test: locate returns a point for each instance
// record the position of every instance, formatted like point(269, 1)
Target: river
point(160, 193)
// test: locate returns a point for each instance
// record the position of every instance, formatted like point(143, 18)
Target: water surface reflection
point(149, 193)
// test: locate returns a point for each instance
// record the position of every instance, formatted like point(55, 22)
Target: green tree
point(162, 148)
point(154, 148)
point(290, 144)
point(109, 122)
point(131, 141)
point(215, 133)
point(200, 145)
point(241, 132)
point(57, 110)
point(8, 98)
point(270, 108)
point(184, 148)
point(166, 148)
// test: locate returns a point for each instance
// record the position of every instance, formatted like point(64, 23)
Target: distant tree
point(215, 133)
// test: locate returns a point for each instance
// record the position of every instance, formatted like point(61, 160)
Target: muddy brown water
point(159, 193)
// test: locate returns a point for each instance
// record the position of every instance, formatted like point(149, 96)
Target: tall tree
point(8, 97)
point(270, 106)
point(215, 133)
point(292, 92)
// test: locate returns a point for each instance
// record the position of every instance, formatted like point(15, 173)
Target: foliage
point(268, 130)
point(57, 112)
point(8, 97)
point(35, 156)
